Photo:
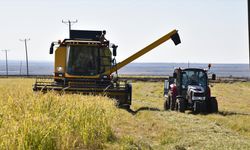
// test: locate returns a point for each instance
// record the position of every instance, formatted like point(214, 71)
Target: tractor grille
point(199, 94)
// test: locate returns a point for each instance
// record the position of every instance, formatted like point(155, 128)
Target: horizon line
point(48, 61)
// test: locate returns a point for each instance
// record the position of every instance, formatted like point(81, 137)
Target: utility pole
point(25, 43)
point(248, 31)
point(69, 22)
point(6, 61)
point(20, 68)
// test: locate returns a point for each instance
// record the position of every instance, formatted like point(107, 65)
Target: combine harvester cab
point(84, 64)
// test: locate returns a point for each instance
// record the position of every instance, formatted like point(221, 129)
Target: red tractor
point(189, 89)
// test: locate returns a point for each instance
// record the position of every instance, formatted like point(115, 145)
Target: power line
point(69, 22)
point(25, 43)
point(6, 61)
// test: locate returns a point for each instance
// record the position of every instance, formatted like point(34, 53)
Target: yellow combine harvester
point(84, 64)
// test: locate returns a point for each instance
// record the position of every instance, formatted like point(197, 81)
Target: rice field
point(32, 120)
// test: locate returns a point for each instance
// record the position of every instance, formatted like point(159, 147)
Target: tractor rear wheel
point(167, 103)
point(180, 105)
point(213, 107)
point(172, 102)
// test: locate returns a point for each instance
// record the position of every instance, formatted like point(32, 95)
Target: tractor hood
point(195, 89)
point(195, 92)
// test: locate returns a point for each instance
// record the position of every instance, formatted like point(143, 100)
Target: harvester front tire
point(126, 107)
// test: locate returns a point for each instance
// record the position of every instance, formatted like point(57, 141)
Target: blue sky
point(212, 31)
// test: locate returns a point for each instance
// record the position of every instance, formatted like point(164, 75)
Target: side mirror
point(174, 75)
point(166, 87)
point(51, 48)
point(213, 76)
point(166, 84)
point(114, 49)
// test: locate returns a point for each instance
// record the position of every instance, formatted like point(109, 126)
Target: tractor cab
point(191, 78)
point(190, 86)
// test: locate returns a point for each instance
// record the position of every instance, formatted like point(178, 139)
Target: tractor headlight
point(198, 96)
point(194, 98)
point(59, 69)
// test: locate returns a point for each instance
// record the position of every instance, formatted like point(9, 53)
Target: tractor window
point(193, 77)
point(184, 78)
point(83, 60)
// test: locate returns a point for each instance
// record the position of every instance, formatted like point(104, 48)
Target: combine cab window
point(83, 60)
point(194, 77)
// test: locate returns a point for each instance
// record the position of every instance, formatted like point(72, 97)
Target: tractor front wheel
point(199, 107)
point(180, 105)
point(213, 107)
